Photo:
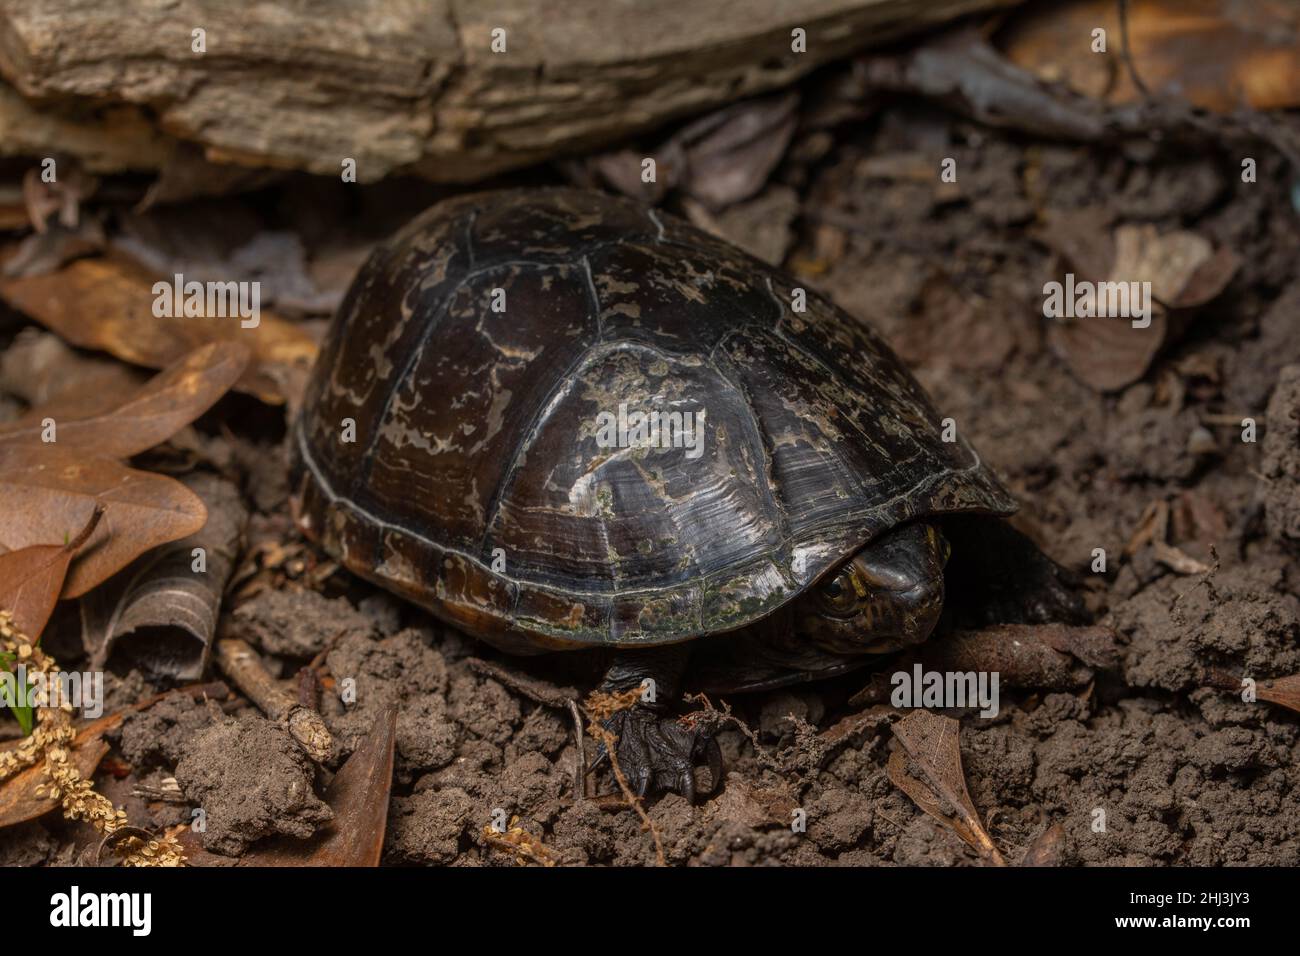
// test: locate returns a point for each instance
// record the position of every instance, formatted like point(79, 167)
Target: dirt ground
point(1184, 771)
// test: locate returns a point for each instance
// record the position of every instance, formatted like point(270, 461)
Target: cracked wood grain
point(404, 84)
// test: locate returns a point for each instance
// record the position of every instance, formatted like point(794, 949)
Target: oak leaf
point(105, 305)
point(51, 487)
point(32, 577)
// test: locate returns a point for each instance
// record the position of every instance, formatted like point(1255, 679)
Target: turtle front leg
point(655, 750)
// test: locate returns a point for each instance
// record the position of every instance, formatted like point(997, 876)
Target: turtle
point(561, 420)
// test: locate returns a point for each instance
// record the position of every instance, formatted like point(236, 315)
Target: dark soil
point(1181, 771)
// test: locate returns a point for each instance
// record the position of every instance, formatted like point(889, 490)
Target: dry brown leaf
point(51, 487)
point(1197, 518)
point(101, 304)
point(161, 407)
point(1221, 55)
point(1284, 691)
point(358, 795)
point(47, 490)
point(1153, 530)
point(960, 330)
point(1107, 352)
point(932, 742)
point(32, 577)
point(730, 154)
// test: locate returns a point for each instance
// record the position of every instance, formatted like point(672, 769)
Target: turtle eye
point(945, 549)
point(838, 597)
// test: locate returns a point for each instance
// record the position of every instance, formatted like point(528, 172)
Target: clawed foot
point(660, 752)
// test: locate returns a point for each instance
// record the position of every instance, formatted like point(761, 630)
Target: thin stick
point(305, 726)
point(537, 691)
point(580, 763)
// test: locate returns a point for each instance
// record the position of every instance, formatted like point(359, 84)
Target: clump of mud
point(251, 780)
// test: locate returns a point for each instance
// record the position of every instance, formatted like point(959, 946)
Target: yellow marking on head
point(938, 540)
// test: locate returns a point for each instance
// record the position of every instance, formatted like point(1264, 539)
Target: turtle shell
point(450, 444)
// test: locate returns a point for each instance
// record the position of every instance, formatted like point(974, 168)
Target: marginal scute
point(477, 434)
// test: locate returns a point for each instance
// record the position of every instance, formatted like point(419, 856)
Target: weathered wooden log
point(413, 85)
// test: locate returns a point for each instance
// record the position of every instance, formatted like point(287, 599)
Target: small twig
point(308, 688)
point(548, 695)
point(305, 725)
point(890, 820)
point(1227, 418)
point(538, 691)
point(580, 761)
point(168, 792)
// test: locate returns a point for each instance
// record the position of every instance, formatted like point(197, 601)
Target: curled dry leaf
point(44, 252)
point(101, 304)
point(933, 744)
point(720, 159)
point(961, 69)
point(32, 577)
point(234, 245)
point(163, 609)
point(730, 154)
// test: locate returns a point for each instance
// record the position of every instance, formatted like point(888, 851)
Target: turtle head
point(889, 595)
